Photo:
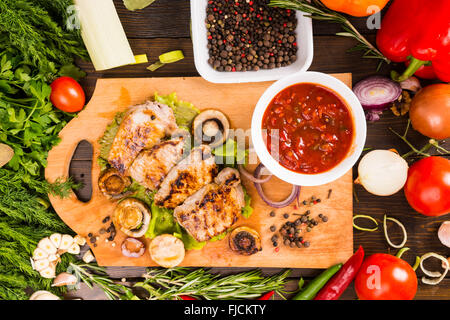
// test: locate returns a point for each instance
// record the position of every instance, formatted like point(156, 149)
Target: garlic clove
point(43, 295)
point(42, 264)
point(54, 258)
point(46, 245)
point(48, 272)
point(56, 239)
point(79, 240)
point(74, 249)
point(64, 279)
point(38, 254)
point(88, 257)
point(66, 242)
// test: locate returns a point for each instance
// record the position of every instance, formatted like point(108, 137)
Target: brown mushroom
point(112, 184)
point(245, 241)
point(132, 217)
point(211, 127)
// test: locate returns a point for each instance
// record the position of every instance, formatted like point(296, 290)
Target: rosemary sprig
point(169, 284)
point(92, 274)
point(316, 10)
point(423, 151)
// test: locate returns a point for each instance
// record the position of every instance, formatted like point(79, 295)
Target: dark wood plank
point(171, 19)
point(164, 26)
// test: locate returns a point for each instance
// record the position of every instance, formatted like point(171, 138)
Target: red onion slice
point(295, 194)
point(139, 248)
point(377, 92)
point(250, 176)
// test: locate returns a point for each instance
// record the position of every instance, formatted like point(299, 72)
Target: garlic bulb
point(382, 172)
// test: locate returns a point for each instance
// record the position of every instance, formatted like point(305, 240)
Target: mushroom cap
point(167, 250)
point(245, 241)
point(132, 217)
point(211, 127)
point(112, 183)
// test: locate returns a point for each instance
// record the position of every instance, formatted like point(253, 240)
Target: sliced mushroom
point(167, 250)
point(132, 217)
point(245, 241)
point(211, 127)
point(112, 184)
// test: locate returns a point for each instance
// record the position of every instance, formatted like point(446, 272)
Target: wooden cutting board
point(331, 242)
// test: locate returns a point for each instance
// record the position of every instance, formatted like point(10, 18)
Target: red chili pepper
point(183, 297)
point(341, 280)
point(267, 295)
point(417, 31)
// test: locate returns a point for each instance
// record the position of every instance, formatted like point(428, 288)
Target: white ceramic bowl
point(309, 179)
point(201, 54)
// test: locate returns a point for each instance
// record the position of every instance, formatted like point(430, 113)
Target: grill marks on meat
point(151, 166)
point(187, 177)
point(142, 127)
point(214, 208)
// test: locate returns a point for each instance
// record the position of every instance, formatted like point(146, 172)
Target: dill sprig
point(29, 28)
point(316, 10)
point(168, 284)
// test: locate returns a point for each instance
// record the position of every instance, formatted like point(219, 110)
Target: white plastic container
point(201, 54)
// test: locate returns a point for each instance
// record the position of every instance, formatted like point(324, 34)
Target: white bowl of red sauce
point(308, 129)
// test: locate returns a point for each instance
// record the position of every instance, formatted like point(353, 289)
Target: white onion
point(382, 172)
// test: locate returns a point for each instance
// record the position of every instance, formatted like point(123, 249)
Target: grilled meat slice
point(187, 177)
point(214, 208)
point(151, 166)
point(142, 127)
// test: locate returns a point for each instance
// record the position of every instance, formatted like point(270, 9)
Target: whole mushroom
point(211, 127)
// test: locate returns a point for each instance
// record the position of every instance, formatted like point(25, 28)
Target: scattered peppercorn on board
point(329, 242)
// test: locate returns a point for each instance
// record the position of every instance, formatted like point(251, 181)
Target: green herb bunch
point(35, 48)
point(31, 27)
point(169, 284)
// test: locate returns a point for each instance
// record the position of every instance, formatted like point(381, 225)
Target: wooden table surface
point(164, 26)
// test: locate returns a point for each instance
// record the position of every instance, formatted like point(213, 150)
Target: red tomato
point(67, 95)
point(385, 277)
point(428, 186)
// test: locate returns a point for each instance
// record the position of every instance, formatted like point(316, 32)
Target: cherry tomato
point(427, 188)
point(385, 277)
point(67, 95)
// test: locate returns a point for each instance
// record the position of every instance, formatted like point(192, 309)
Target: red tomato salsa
point(314, 125)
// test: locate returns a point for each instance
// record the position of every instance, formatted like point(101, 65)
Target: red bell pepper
point(418, 31)
point(341, 280)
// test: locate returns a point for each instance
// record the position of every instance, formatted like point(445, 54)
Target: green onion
point(365, 217)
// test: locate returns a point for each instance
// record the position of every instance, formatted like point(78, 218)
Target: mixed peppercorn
point(291, 233)
point(110, 232)
point(248, 35)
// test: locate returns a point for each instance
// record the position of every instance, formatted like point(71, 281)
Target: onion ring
point(281, 204)
point(434, 274)
point(405, 235)
point(250, 176)
point(365, 217)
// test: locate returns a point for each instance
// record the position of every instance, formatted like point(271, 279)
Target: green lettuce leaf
point(184, 112)
point(247, 210)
